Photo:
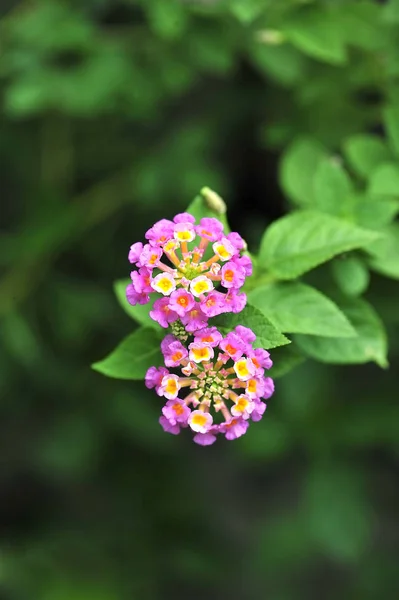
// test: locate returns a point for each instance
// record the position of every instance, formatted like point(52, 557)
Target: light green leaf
point(391, 11)
point(297, 170)
point(370, 345)
point(140, 312)
point(318, 33)
point(303, 240)
point(331, 187)
point(372, 211)
point(351, 275)
point(365, 153)
point(385, 253)
point(391, 119)
point(385, 180)
point(134, 355)
point(299, 308)
point(209, 204)
point(267, 336)
point(246, 10)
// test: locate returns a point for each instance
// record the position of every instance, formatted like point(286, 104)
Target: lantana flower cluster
point(213, 384)
point(189, 286)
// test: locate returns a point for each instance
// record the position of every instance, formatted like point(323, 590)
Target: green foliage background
point(115, 114)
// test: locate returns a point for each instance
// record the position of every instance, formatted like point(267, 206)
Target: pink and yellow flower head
point(196, 269)
point(218, 384)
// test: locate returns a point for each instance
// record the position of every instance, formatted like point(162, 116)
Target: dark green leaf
point(140, 312)
point(391, 119)
point(285, 358)
point(267, 336)
point(134, 355)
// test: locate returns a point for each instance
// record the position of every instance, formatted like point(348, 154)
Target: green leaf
point(285, 358)
point(351, 275)
point(385, 180)
point(246, 10)
point(391, 11)
point(318, 33)
point(372, 211)
point(134, 355)
point(369, 345)
point(297, 170)
point(299, 308)
point(331, 187)
point(267, 336)
point(391, 119)
point(385, 253)
point(140, 312)
point(365, 152)
point(303, 240)
point(336, 491)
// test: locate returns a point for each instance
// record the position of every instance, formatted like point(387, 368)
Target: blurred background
point(114, 113)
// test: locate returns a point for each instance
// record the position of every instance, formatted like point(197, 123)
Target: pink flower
point(224, 249)
point(233, 346)
point(235, 428)
point(160, 232)
point(181, 301)
point(170, 386)
point(194, 319)
point(232, 275)
point(236, 240)
point(154, 376)
point(269, 388)
point(174, 352)
point(261, 359)
point(245, 263)
point(210, 229)
point(210, 378)
point(162, 313)
point(200, 353)
point(243, 407)
point(234, 302)
point(141, 280)
point(168, 427)
point(184, 232)
point(246, 334)
point(135, 251)
point(258, 411)
point(173, 264)
point(208, 335)
point(150, 256)
point(213, 304)
point(201, 285)
point(176, 411)
point(204, 439)
point(200, 421)
point(184, 218)
point(164, 283)
point(134, 297)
